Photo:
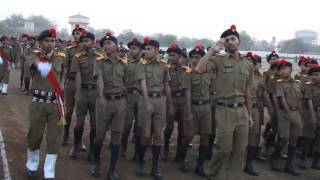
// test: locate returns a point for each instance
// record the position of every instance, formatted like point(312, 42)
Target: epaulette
point(36, 51)
point(187, 69)
point(123, 60)
point(79, 54)
point(143, 61)
point(220, 55)
point(61, 54)
point(309, 83)
point(279, 80)
point(71, 46)
point(298, 81)
point(100, 56)
point(304, 75)
point(271, 77)
point(165, 63)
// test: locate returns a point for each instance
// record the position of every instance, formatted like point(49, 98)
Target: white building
point(83, 21)
point(307, 36)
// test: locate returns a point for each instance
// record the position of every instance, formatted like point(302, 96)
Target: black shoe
point(260, 157)
point(113, 176)
point(140, 169)
point(200, 171)
point(156, 175)
point(32, 174)
point(73, 154)
point(291, 170)
point(95, 169)
point(250, 171)
point(184, 166)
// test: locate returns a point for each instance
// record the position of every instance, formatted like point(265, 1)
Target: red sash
point(58, 91)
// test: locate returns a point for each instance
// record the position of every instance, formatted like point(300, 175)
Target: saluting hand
point(218, 46)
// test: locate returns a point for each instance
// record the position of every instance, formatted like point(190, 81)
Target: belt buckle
point(235, 105)
point(112, 97)
point(200, 102)
point(178, 94)
point(154, 94)
point(90, 86)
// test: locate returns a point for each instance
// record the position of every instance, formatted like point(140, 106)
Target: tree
point(40, 23)
point(64, 34)
point(246, 41)
point(294, 46)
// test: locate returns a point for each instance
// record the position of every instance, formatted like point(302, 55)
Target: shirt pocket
point(84, 67)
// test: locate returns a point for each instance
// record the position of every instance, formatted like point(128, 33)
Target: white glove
point(44, 68)
point(1, 60)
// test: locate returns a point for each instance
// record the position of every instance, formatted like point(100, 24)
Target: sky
point(262, 19)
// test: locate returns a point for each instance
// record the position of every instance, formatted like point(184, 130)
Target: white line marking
point(4, 158)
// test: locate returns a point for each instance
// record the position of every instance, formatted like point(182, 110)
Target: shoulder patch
point(279, 80)
point(100, 56)
point(271, 77)
point(219, 55)
point(143, 61)
point(163, 61)
point(61, 54)
point(36, 51)
point(123, 61)
point(309, 83)
point(71, 46)
point(298, 81)
point(187, 69)
point(79, 54)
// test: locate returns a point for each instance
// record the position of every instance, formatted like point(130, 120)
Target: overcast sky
point(262, 19)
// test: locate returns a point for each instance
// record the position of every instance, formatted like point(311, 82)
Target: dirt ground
point(14, 124)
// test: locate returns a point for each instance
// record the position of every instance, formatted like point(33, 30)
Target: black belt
point(254, 105)
point(154, 94)
point(231, 105)
point(133, 91)
point(88, 86)
point(201, 102)
point(177, 94)
point(43, 96)
point(113, 97)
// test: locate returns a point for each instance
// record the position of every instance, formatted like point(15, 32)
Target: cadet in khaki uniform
point(289, 96)
point(27, 73)
point(257, 95)
point(233, 111)
point(312, 126)
point(22, 48)
point(70, 84)
point(132, 96)
point(153, 77)
point(198, 109)
point(5, 66)
point(43, 110)
point(111, 105)
point(178, 99)
point(86, 90)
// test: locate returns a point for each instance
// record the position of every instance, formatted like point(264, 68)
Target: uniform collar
point(228, 55)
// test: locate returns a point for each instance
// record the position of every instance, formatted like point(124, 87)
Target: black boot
point(275, 158)
point(77, 141)
point(112, 174)
point(136, 148)
point(259, 155)
point(251, 152)
point(95, 169)
point(289, 168)
point(211, 145)
point(155, 162)
point(203, 153)
point(32, 174)
point(66, 135)
point(165, 155)
point(316, 161)
point(26, 85)
point(92, 138)
point(140, 160)
point(183, 163)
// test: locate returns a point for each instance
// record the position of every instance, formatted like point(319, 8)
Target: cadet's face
point(173, 58)
point(87, 43)
point(24, 40)
point(196, 58)
point(150, 52)
point(134, 51)
point(231, 43)
point(48, 43)
point(110, 46)
point(76, 35)
point(285, 71)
